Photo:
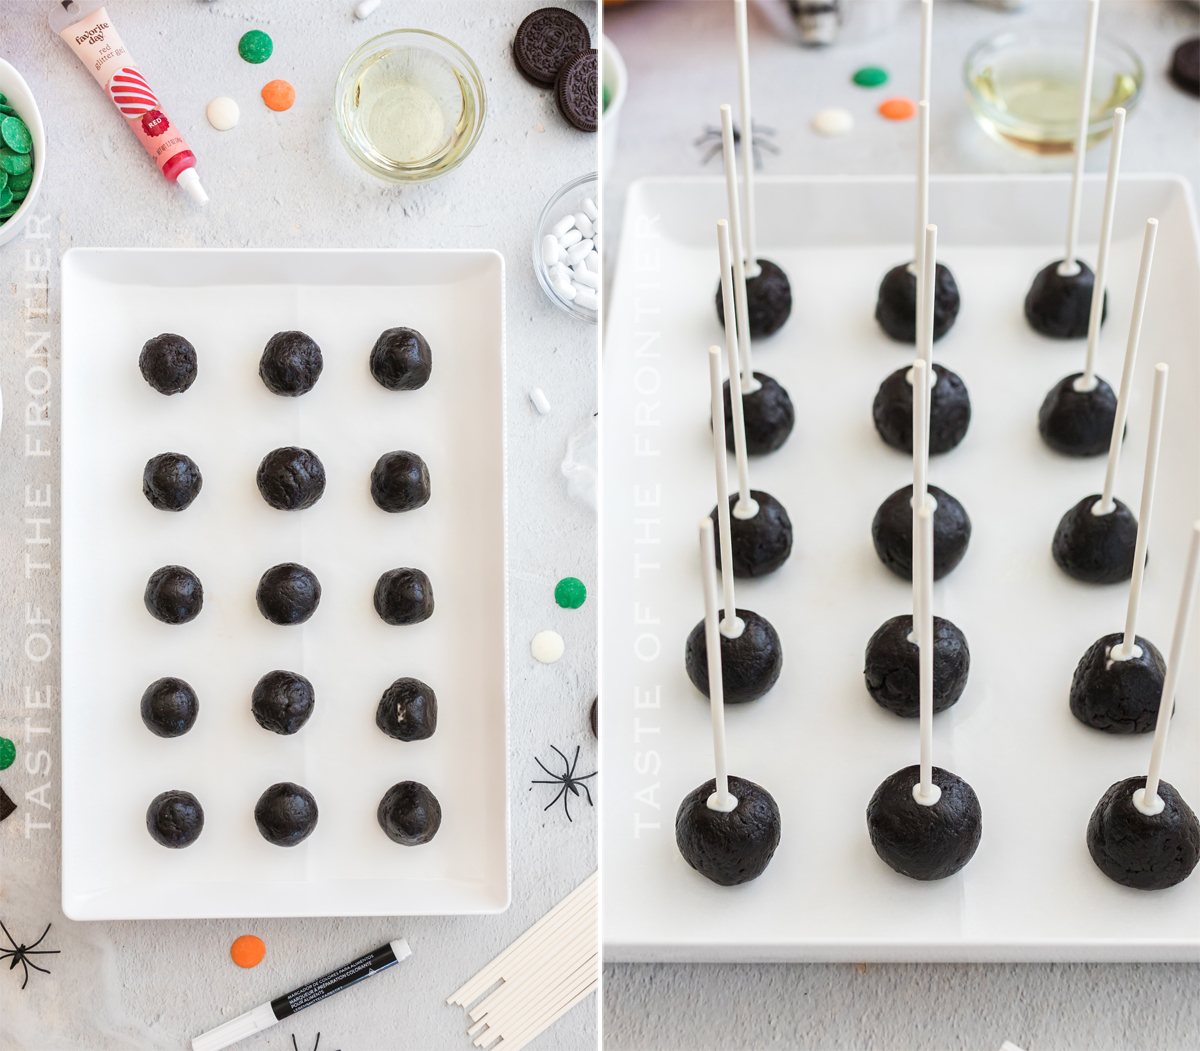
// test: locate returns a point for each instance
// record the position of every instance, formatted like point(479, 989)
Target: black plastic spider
point(758, 142)
point(295, 1047)
point(20, 953)
point(568, 780)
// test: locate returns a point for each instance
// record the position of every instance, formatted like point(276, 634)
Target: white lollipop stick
point(1167, 701)
point(732, 626)
point(920, 481)
point(1088, 380)
point(928, 282)
point(926, 792)
point(1069, 265)
point(1128, 647)
point(917, 266)
point(743, 41)
point(745, 507)
point(742, 314)
point(720, 799)
point(1131, 348)
point(926, 46)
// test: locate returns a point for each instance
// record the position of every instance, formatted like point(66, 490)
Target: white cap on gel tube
point(190, 181)
point(262, 1017)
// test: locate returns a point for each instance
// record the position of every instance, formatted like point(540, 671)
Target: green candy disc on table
point(14, 163)
point(255, 46)
point(870, 77)
point(8, 752)
point(570, 593)
point(15, 135)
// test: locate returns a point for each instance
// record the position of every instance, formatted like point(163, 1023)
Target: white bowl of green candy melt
point(22, 152)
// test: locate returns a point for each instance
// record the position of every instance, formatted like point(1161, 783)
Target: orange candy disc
point(248, 951)
point(279, 95)
point(894, 109)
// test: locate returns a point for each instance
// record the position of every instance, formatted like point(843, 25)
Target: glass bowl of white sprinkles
point(566, 248)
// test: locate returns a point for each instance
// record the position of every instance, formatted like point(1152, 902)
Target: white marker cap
point(190, 181)
point(400, 949)
point(262, 1017)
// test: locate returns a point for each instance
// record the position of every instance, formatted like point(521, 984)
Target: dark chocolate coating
point(407, 710)
point(291, 478)
point(892, 532)
point(286, 814)
point(768, 300)
point(168, 363)
point(291, 364)
point(768, 413)
point(1097, 549)
point(1118, 697)
point(728, 848)
point(169, 707)
point(409, 814)
point(282, 701)
point(892, 670)
point(925, 842)
point(404, 596)
point(1185, 65)
point(171, 481)
point(174, 595)
point(896, 306)
point(288, 593)
point(400, 482)
point(175, 818)
point(545, 39)
point(1143, 851)
point(401, 359)
point(1078, 423)
point(1059, 307)
point(949, 411)
point(750, 664)
point(760, 544)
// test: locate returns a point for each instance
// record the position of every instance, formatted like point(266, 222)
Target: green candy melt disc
point(8, 752)
point(14, 163)
point(15, 135)
point(570, 593)
point(870, 77)
point(255, 46)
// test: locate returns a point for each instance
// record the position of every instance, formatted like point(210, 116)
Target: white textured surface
point(283, 180)
point(682, 66)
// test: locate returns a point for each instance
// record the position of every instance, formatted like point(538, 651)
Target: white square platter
point(817, 741)
point(228, 303)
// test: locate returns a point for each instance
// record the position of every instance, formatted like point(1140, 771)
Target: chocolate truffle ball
point(169, 707)
point(1118, 696)
point(168, 363)
point(896, 307)
point(1059, 306)
point(750, 664)
point(925, 842)
point(892, 667)
point(171, 481)
point(1143, 851)
point(1185, 65)
point(407, 710)
point(409, 814)
point(282, 701)
point(760, 545)
point(1078, 422)
point(728, 848)
point(288, 593)
point(892, 532)
point(949, 411)
point(291, 478)
point(768, 300)
point(404, 596)
point(400, 482)
point(175, 819)
point(286, 814)
point(291, 364)
point(1097, 549)
point(768, 415)
point(174, 595)
point(401, 359)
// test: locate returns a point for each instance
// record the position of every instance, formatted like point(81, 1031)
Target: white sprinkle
point(551, 252)
point(365, 8)
point(547, 646)
point(592, 261)
point(559, 272)
point(223, 113)
point(539, 401)
point(589, 208)
point(565, 289)
point(833, 122)
point(583, 224)
point(586, 297)
point(571, 236)
point(583, 276)
point(563, 225)
point(578, 251)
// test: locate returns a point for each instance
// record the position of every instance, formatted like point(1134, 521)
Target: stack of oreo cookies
point(553, 49)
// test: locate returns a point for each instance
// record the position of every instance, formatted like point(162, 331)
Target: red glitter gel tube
point(89, 31)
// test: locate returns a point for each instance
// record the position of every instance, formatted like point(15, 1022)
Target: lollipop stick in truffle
point(732, 625)
point(1088, 380)
point(743, 42)
point(920, 381)
point(720, 799)
point(742, 310)
point(1069, 264)
point(925, 791)
point(746, 507)
point(922, 151)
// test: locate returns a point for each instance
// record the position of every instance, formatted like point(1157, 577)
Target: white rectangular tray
point(817, 741)
point(228, 303)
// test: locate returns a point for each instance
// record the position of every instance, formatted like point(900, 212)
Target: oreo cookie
point(1185, 66)
point(545, 40)
point(577, 90)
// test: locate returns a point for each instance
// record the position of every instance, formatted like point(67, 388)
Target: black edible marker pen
point(266, 1015)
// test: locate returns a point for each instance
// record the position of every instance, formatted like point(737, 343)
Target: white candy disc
point(547, 646)
point(223, 113)
point(833, 122)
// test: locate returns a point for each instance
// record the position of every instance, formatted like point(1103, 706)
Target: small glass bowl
point(1023, 86)
point(564, 201)
point(410, 105)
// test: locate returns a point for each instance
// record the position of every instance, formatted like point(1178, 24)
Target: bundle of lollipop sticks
point(538, 978)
